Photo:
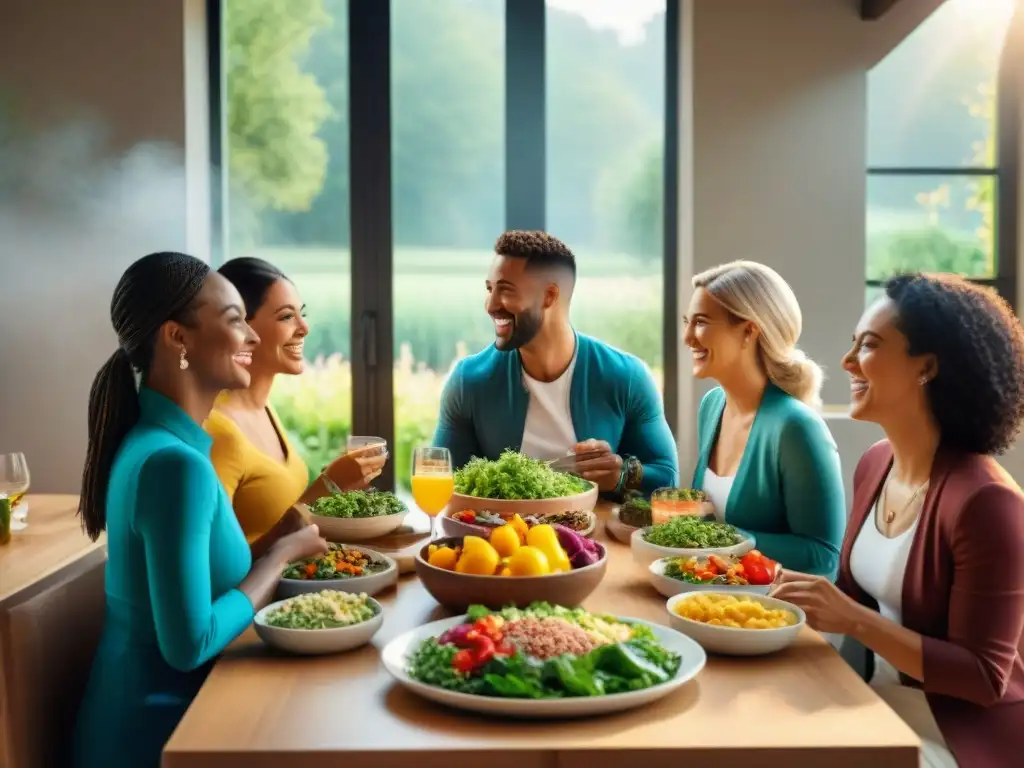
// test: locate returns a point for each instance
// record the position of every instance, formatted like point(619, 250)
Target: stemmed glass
point(432, 481)
point(14, 482)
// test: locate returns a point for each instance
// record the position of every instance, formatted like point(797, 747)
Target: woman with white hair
point(767, 461)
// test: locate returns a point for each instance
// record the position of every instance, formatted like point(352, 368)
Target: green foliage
point(274, 108)
point(930, 250)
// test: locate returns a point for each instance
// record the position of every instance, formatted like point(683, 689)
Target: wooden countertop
point(806, 706)
point(53, 540)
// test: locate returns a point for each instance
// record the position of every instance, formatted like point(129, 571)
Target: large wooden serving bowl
point(580, 502)
point(458, 591)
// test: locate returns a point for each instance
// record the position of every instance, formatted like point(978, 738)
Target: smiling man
point(546, 390)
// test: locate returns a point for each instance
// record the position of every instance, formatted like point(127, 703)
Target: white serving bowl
point(646, 553)
point(670, 587)
point(731, 640)
point(318, 641)
point(370, 584)
point(352, 529)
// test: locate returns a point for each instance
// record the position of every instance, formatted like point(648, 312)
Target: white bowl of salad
point(688, 536)
point(358, 515)
point(751, 572)
point(343, 567)
point(328, 621)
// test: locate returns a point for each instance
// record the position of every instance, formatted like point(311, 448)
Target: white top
point(878, 564)
point(549, 432)
point(718, 489)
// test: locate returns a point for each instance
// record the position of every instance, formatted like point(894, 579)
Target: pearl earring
point(923, 380)
point(183, 362)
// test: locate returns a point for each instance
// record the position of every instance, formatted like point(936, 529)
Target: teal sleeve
point(175, 522)
point(455, 429)
point(815, 503)
point(646, 434)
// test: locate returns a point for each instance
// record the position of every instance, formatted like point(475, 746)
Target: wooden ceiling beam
point(871, 10)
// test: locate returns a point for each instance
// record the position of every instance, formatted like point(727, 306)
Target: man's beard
point(525, 327)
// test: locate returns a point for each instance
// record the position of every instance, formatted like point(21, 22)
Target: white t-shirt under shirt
point(878, 564)
point(549, 432)
point(718, 489)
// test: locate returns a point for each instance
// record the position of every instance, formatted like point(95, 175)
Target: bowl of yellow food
point(743, 624)
point(513, 567)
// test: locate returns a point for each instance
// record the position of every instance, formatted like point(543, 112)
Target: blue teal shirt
point(175, 557)
point(788, 489)
point(612, 397)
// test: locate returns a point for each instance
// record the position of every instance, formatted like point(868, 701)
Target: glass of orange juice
point(433, 482)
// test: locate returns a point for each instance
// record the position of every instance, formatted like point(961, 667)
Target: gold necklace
point(890, 515)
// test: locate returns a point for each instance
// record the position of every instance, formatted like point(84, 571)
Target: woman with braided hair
point(180, 580)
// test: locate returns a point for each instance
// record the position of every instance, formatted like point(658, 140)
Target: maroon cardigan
point(963, 591)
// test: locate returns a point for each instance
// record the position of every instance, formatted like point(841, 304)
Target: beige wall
point(773, 159)
point(79, 217)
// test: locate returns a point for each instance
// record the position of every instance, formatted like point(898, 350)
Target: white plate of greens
point(629, 663)
point(320, 622)
point(358, 515)
point(688, 536)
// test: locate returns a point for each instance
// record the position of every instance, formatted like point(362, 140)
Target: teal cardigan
point(175, 557)
point(612, 398)
point(788, 489)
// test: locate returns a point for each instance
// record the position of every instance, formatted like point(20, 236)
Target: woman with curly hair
point(931, 577)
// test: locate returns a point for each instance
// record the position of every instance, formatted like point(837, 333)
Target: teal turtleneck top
point(176, 555)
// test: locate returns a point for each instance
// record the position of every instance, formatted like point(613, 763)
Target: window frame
point(1006, 171)
point(370, 185)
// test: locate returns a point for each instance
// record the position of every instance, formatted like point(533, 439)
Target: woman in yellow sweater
point(260, 468)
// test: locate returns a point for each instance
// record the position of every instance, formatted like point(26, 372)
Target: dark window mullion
point(371, 232)
point(968, 171)
point(670, 219)
point(525, 120)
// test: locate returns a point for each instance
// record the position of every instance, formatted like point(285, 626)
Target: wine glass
point(14, 482)
point(432, 481)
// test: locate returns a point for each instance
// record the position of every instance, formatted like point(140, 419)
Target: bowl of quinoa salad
point(344, 568)
point(542, 661)
point(328, 621)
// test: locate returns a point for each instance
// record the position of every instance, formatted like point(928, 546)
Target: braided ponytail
point(154, 290)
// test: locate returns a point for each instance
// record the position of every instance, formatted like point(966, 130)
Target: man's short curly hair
point(977, 395)
point(540, 250)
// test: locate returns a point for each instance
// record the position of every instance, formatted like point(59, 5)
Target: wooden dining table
point(801, 707)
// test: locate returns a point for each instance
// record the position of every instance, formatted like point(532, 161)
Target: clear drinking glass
point(355, 442)
point(14, 482)
point(433, 482)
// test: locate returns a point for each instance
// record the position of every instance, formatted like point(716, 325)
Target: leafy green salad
point(371, 503)
point(543, 652)
point(515, 476)
point(689, 532)
point(327, 609)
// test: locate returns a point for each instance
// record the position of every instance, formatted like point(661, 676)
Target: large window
point(285, 149)
point(942, 148)
point(605, 108)
point(376, 149)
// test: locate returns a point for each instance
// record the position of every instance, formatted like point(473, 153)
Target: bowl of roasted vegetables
point(515, 566)
point(752, 572)
point(516, 483)
point(343, 568)
point(358, 515)
point(470, 522)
